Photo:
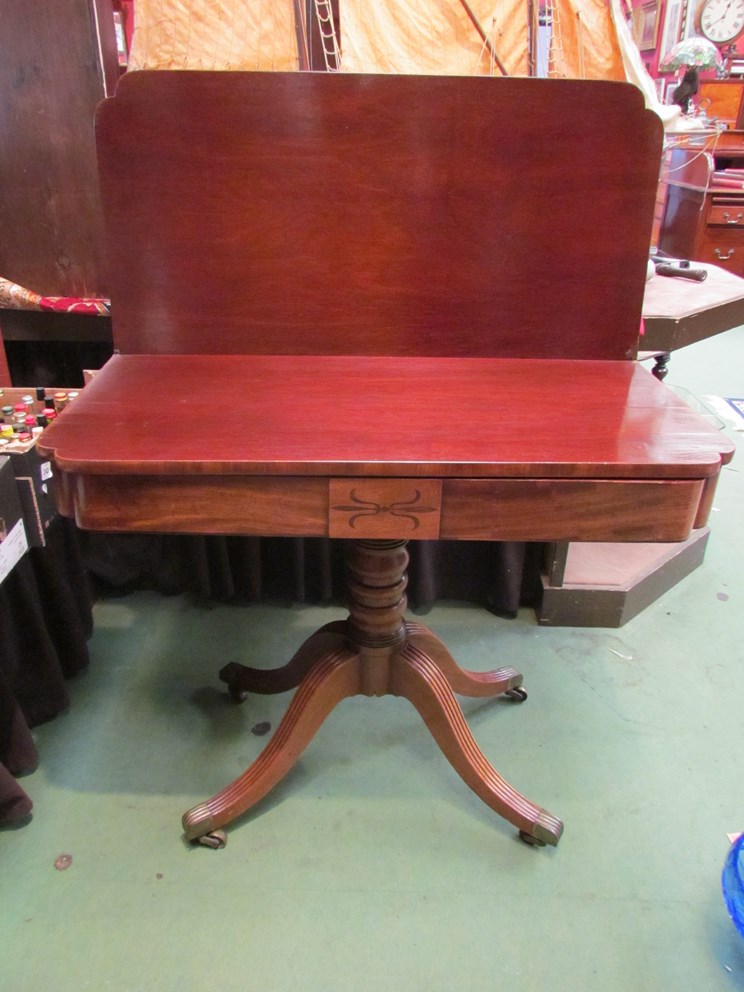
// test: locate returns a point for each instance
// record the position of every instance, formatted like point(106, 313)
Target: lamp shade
point(695, 53)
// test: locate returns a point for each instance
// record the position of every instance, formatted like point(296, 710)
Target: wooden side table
point(380, 309)
point(377, 451)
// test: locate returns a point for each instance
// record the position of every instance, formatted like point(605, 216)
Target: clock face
point(721, 21)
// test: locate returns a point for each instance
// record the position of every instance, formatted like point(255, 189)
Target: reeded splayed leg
point(334, 677)
point(462, 681)
point(241, 680)
point(418, 666)
point(416, 677)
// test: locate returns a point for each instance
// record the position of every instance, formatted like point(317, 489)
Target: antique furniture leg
point(334, 677)
point(374, 652)
point(502, 681)
point(242, 680)
point(408, 660)
point(418, 678)
point(661, 361)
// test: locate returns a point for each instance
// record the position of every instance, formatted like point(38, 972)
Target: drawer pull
point(727, 220)
point(723, 258)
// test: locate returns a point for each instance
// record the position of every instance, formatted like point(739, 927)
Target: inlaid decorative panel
point(384, 508)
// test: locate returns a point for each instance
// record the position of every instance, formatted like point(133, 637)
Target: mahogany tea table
point(379, 309)
point(356, 448)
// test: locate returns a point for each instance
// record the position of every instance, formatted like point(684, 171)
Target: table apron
point(388, 508)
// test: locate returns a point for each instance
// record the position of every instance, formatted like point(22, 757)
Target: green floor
point(372, 867)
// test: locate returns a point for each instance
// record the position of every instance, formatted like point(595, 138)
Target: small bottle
point(7, 414)
point(29, 401)
point(50, 413)
point(60, 401)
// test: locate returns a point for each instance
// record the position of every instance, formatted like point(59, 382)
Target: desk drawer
point(727, 214)
point(569, 510)
point(196, 504)
point(724, 246)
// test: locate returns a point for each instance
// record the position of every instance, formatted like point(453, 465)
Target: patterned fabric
point(215, 35)
point(15, 297)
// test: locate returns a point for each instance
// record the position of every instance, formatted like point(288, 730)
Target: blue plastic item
point(732, 882)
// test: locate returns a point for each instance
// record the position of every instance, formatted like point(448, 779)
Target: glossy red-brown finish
point(373, 653)
point(383, 308)
point(370, 416)
point(316, 213)
point(470, 509)
point(355, 446)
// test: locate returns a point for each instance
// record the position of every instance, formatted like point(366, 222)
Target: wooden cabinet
point(721, 99)
point(704, 215)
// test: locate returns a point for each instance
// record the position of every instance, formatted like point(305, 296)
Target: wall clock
point(720, 21)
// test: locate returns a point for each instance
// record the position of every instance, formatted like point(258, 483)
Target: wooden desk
point(703, 218)
point(367, 307)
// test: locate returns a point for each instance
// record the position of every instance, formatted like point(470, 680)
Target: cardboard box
point(13, 543)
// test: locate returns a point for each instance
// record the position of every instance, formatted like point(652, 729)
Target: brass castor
point(214, 839)
point(529, 839)
point(517, 695)
point(237, 695)
point(230, 675)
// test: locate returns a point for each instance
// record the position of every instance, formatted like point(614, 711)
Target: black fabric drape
point(45, 623)
point(499, 576)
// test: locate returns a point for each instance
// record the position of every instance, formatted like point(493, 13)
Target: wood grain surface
point(369, 416)
point(322, 213)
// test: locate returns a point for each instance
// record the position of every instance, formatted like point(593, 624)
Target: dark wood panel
point(5, 379)
point(563, 510)
point(471, 509)
point(315, 213)
point(38, 325)
point(50, 213)
point(187, 505)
